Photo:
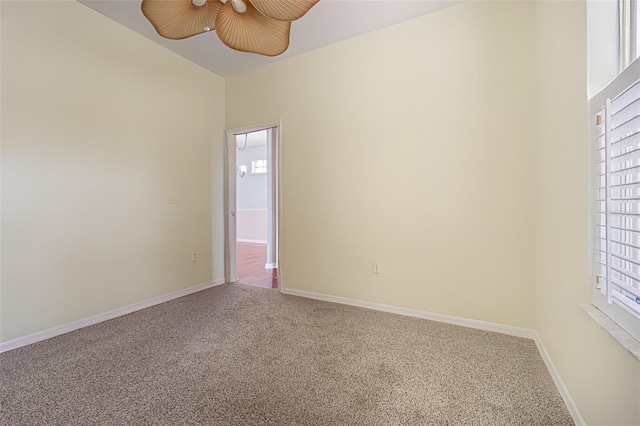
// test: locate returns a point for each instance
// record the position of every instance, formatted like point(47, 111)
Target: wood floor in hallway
point(250, 261)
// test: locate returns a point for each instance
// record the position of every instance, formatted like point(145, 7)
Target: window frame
point(629, 32)
point(259, 167)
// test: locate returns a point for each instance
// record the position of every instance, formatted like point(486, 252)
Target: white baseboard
point(465, 322)
point(449, 319)
point(562, 389)
point(242, 240)
point(95, 319)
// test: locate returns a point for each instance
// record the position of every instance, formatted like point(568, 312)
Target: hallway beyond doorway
point(250, 265)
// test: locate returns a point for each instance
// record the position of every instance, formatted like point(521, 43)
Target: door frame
point(230, 179)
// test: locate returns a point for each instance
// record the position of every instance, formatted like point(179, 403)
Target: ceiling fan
point(255, 26)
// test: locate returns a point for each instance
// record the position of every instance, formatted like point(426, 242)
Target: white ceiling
point(327, 22)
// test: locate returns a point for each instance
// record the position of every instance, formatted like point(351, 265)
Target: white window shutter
point(617, 218)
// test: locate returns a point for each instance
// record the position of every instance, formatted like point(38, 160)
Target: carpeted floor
point(241, 355)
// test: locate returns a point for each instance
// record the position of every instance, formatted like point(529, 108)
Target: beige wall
point(410, 147)
point(602, 377)
point(451, 149)
point(100, 127)
point(436, 147)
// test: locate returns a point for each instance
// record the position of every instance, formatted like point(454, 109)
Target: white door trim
point(230, 194)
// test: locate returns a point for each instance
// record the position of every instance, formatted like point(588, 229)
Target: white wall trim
point(251, 210)
point(95, 319)
point(269, 266)
point(511, 330)
point(449, 319)
point(562, 389)
point(243, 240)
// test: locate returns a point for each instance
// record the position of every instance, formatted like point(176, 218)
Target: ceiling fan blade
point(284, 10)
point(251, 31)
point(178, 19)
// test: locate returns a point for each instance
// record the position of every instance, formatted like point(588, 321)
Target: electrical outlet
point(194, 257)
point(375, 269)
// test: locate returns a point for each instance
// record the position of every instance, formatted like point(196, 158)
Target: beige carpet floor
point(241, 355)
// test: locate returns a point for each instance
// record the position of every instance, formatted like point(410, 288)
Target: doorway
point(252, 205)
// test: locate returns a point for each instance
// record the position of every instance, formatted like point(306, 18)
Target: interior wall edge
point(557, 380)
point(511, 330)
point(39, 336)
point(460, 321)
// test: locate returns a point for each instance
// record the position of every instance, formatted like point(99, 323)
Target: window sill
point(624, 338)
